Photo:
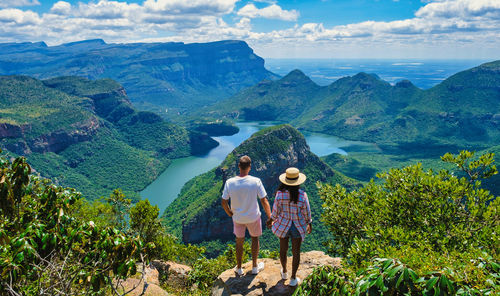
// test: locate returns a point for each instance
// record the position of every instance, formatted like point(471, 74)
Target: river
point(167, 186)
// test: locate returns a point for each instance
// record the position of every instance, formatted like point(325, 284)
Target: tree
point(144, 220)
point(120, 206)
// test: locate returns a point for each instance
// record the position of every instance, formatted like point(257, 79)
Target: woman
point(291, 218)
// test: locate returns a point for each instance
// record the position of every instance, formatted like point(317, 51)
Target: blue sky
point(457, 29)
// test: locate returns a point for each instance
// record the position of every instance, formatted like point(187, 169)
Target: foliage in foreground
point(416, 233)
point(46, 251)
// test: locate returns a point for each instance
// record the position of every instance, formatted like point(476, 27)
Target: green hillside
point(86, 134)
point(364, 166)
point(196, 215)
point(461, 112)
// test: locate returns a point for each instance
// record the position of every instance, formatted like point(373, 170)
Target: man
point(243, 190)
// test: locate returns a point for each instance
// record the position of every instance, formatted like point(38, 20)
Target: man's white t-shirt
point(244, 192)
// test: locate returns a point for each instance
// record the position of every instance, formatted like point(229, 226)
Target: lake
point(168, 185)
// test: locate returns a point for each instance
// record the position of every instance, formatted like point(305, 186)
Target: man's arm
point(266, 206)
point(225, 205)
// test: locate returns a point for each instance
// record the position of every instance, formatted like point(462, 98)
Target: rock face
point(269, 282)
point(167, 74)
point(59, 140)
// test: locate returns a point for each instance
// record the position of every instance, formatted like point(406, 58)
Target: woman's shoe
point(294, 282)
point(259, 268)
point(284, 275)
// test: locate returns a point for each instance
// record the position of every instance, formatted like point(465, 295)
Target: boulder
point(268, 281)
point(176, 274)
point(151, 277)
point(151, 289)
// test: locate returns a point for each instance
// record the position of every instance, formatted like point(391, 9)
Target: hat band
point(292, 178)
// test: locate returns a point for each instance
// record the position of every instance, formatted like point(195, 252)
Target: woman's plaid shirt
point(286, 212)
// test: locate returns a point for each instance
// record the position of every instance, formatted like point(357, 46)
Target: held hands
point(309, 228)
point(269, 223)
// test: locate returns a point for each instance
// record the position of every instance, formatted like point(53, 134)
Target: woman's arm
point(307, 214)
point(307, 210)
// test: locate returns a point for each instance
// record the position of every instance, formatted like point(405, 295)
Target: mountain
point(86, 134)
point(270, 100)
point(197, 215)
point(157, 76)
point(462, 111)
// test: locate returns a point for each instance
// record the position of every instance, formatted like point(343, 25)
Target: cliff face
point(59, 140)
point(172, 75)
point(272, 150)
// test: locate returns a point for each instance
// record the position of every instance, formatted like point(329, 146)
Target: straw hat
point(292, 177)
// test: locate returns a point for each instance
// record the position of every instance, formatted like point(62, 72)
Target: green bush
point(44, 250)
point(440, 227)
point(327, 281)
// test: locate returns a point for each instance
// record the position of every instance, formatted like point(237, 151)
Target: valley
point(359, 125)
point(168, 185)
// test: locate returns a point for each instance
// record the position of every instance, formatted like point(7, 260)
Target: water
point(423, 73)
point(168, 185)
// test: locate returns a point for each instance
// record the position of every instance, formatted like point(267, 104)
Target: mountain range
point(86, 134)
point(462, 111)
point(171, 77)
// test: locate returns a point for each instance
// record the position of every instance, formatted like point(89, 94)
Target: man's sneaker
point(238, 271)
point(294, 282)
point(284, 275)
point(259, 268)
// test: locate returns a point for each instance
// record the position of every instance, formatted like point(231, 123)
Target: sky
point(410, 29)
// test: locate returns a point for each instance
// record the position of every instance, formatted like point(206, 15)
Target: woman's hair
point(294, 191)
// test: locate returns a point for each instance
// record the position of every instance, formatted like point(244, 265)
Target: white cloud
point(19, 17)
point(108, 10)
point(61, 7)
point(270, 12)
point(446, 27)
point(461, 9)
point(18, 3)
point(212, 7)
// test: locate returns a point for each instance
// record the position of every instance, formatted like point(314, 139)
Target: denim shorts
point(293, 232)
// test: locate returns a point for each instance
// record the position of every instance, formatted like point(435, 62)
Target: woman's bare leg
point(283, 252)
point(296, 242)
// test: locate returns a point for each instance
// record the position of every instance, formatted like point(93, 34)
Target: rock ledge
point(268, 281)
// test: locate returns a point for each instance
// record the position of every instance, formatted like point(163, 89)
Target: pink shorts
point(254, 228)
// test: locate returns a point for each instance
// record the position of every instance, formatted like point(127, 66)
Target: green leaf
point(430, 283)
point(394, 270)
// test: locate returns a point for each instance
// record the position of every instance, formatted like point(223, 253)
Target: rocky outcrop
point(8, 130)
point(175, 274)
point(269, 282)
point(59, 140)
point(272, 150)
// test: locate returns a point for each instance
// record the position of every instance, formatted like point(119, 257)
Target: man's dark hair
point(245, 162)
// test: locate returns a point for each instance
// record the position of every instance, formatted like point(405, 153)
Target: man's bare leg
point(255, 250)
point(239, 250)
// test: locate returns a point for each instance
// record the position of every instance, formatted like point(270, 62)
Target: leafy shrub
point(46, 251)
point(386, 276)
point(439, 224)
point(326, 281)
